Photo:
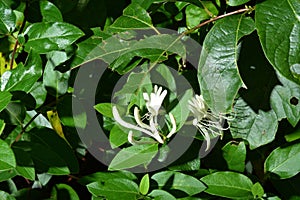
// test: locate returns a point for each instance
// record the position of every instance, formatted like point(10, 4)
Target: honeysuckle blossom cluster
point(153, 104)
point(208, 123)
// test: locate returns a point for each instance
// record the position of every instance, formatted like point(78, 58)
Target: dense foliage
point(248, 73)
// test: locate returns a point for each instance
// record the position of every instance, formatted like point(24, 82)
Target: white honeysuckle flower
point(118, 118)
point(153, 103)
point(208, 123)
point(198, 107)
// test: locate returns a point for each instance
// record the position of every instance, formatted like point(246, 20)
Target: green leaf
point(5, 98)
point(50, 12)
point(235, 156)
point(45, 159)
point(104, 176)
point(14, 113)
point(196, 14)
point(144, 184)
point(279, 34)
point(118, 136)
point(282, 101)
point(134, 17)
point(25, 165)
point(161, 195)
point(6, 196)
point(136, 84)
point(218, 71)
point(53, 80)
point(89, 49)
point(180, 110)
point(257, 190)
point(257, 128)
point(117, 188)
point(293, 136)
point(56, 154)
point(7, 157)
point(44, 37)
point(23, 78)
point(105, 109)
point(236, 2)
point(284, 161)
point(179, 181)
point(2, 126)
point(64, 191)
point(295, 69)
point(133, 156)
point(192, 165)
point(39, 93)
point(228, 184)
point(7, 19)
point(7, 174)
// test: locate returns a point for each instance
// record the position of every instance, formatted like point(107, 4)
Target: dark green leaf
point(49, 36)
point(236, 2)
point(134, 17)
point(235, 156)
point(133, 156)
point(117, 188)
point(257, 128)
point(53, 80)
point(50, 12)
point(5, 98)
point(25, 166)
point(218, 71)
point(7, 157)
point(161, 195)
point(187, 166)
point(45, 159)
point(144, 184)
point(7, 19)
point(104, 176)
point(179, 181)
point(14, 113)
point(278, 27)
point(284, 161)
point(282, 101)
point(228, 184)
point(39, 93)
point(64, 191)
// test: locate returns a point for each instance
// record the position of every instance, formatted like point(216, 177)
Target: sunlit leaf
point(179, 181)
point(7, 157)
point(278, 27)
point(228, 184)
point(218, 71)
point(257, 128)
point(44, 37)
point(284, 161)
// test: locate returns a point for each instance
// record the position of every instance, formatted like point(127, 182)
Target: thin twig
point(26, 126)
point(215, 19)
